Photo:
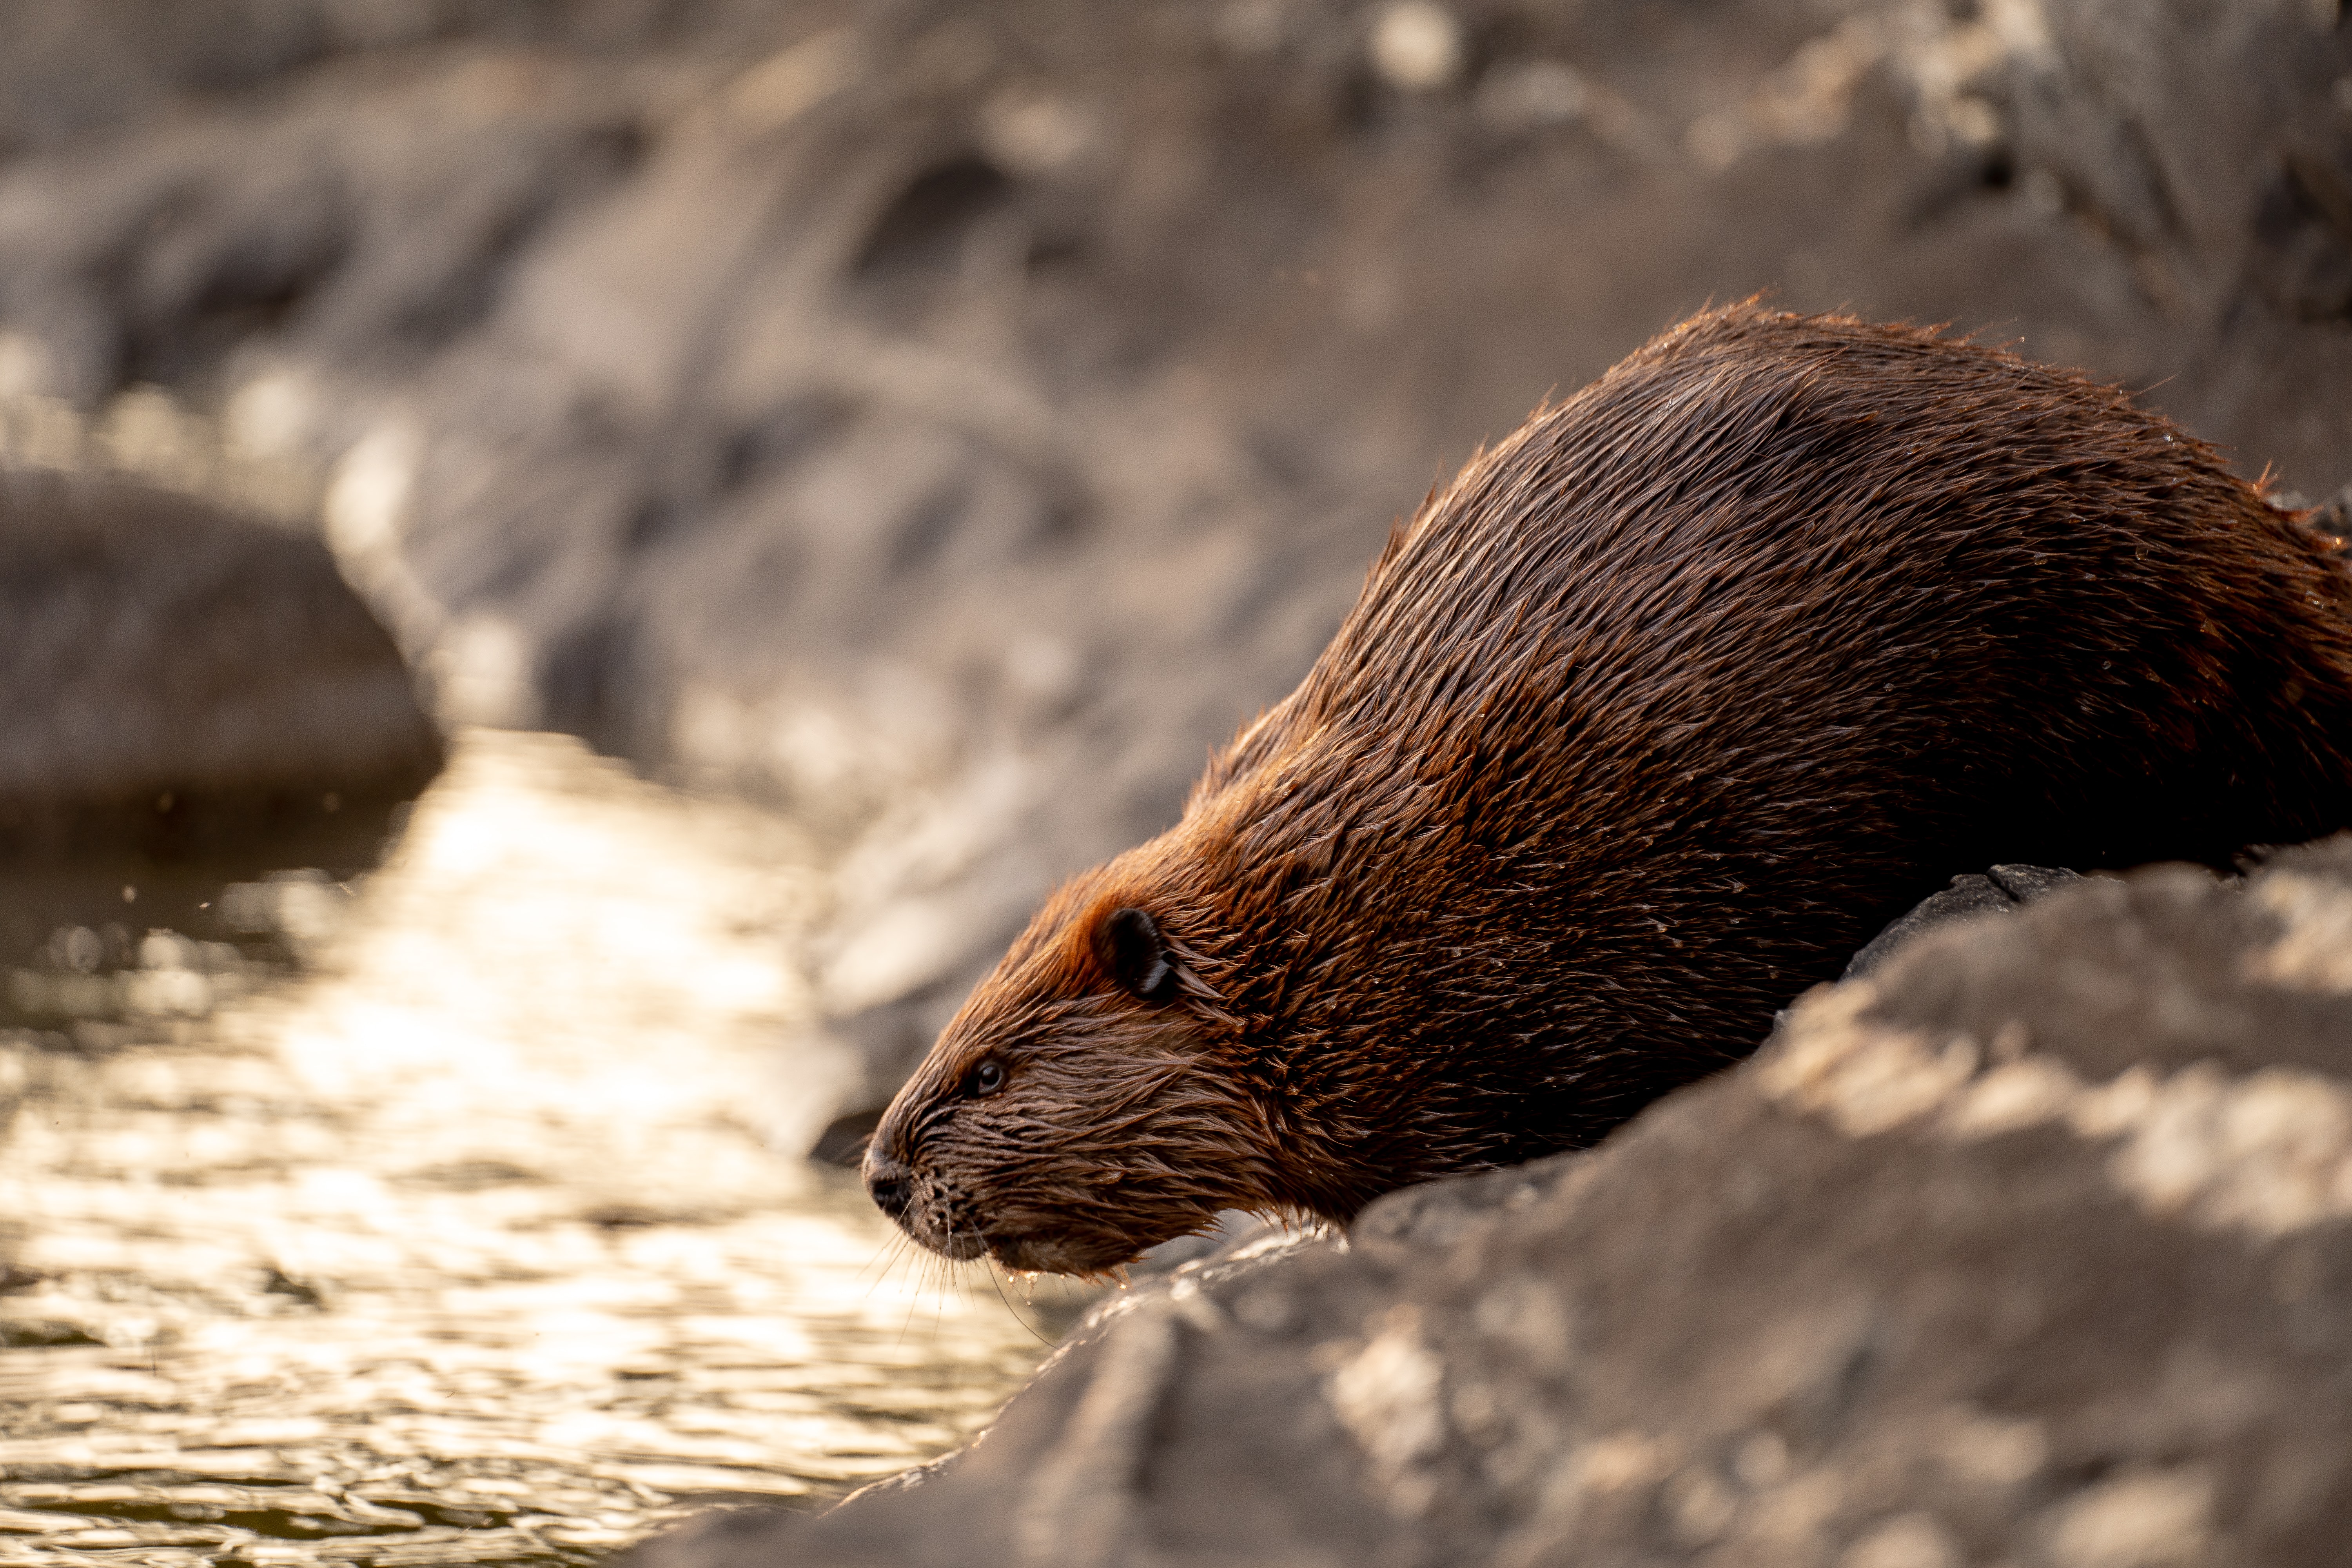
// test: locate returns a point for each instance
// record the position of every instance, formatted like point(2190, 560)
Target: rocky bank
point(2032, 1249)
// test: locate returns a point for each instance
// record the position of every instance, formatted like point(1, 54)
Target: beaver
point(1639, 728)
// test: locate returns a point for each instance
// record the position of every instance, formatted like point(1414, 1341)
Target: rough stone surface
point(2035, 1247)
point(948, 421)
point(1974, 895)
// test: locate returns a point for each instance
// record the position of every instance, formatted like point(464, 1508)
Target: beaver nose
point(888, 1183)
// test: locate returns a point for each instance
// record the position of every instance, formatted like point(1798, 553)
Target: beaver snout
point(890, 1183)
point(934, 1213)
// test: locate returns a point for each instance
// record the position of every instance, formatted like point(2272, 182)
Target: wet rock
point(183, 684)
point(2035, 1247)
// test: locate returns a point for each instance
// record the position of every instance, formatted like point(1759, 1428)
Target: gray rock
point(2035, 1247)
point(183, 683)
point(88, 67)
point(946, 423)
point(2002, 891)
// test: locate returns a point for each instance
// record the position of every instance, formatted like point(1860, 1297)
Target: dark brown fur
point(1641, 727)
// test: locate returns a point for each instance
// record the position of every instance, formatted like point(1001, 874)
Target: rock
point(946, 423)
point(2034, 1247)
point(185, 684)
point(2002, 890)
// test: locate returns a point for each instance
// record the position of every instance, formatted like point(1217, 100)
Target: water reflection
point(473, 1242)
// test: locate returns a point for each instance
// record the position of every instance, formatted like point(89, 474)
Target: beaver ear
point(1131, 950)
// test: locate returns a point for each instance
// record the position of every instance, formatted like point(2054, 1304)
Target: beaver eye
point(1136, 956)
point(987, 1078)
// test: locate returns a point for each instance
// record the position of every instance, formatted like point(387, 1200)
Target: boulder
point(190, 696)
point(946, 423)
point(186, 680)
point(2033, 1247)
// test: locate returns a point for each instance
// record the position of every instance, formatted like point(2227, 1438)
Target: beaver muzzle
point(890, 1183)
point(923, 1208)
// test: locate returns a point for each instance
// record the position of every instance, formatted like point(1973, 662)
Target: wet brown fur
point(1666, 705)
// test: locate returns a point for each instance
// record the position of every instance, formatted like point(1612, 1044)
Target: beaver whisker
point(996, 1278)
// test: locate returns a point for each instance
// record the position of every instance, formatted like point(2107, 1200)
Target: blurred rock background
point(944, 423)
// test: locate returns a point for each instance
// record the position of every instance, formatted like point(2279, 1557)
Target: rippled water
point(472, 1242)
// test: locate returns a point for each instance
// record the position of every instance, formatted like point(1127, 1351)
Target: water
point(479, 1238)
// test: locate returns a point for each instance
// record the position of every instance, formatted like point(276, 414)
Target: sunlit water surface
point(483, 1239)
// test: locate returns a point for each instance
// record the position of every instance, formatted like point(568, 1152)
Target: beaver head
point(1238, 1015)
point(1648, 720)
point(1090, 1092)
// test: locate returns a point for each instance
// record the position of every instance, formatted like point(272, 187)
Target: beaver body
point(1646, 724)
